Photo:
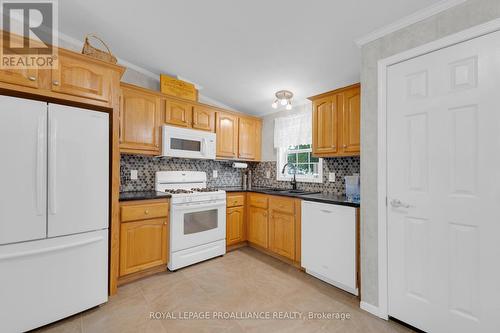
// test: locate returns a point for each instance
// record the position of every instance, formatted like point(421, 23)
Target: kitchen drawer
point(143, 211)
point(258, 200)
point(285, 205)
point(235, 200)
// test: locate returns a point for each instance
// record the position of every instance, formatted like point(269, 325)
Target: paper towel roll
point(238, 165)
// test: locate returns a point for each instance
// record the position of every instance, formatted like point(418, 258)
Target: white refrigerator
point(54, 212)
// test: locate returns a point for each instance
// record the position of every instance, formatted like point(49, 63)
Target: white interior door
point(444, 188)
point(78, 169)
point(23, 180)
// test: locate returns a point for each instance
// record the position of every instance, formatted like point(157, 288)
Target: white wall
point(466, 15)
point(268, 151)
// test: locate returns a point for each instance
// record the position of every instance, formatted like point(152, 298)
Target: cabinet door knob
point(345, 146)
point(31, 78)
point(146, 212)
point(55, 82)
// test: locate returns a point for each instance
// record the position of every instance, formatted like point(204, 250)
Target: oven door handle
point(198, 206)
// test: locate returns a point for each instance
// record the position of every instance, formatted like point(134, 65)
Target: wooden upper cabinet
point(203, 118)
point(325, 126)
point(336, 122)
point(227, 135)
point(77, 78)
point(81, 77)
point(249, 138)
point(21, 77)
point(139, 121)
point(178, 113)
point(351, 116)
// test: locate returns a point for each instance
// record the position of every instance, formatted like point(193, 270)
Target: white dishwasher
point(329, 244)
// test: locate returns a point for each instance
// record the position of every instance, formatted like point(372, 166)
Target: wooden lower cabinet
point(235, 219)
point(258, 226)
point(143, 244)
point(282, 234)
point(273, 223)
point(282, 226)
point(143, 237)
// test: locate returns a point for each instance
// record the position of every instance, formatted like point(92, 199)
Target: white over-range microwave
point(188, 143)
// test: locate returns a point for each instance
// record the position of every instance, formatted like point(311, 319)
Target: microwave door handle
point(204, 146)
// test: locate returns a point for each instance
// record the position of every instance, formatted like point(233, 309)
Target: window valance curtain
point(293, 130)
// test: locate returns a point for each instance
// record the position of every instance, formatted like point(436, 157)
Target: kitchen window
point(292, 141)
point(307, 167)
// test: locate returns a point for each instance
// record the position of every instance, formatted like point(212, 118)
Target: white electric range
point(197, 217)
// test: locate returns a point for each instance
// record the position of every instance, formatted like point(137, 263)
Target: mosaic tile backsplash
point(227, 176)
point(342, 166)
point(148, 166)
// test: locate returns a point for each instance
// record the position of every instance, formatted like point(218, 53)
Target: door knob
point(31, 78)
point(396, 203)
point(55, 82)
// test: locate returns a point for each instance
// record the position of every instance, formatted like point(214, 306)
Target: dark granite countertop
point(143, 195)
point(328, 198)
point(317, 197)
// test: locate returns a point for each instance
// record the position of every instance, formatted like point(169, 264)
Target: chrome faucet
point(294, 180)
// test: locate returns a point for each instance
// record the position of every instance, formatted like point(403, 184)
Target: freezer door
point(23, 170)
point(47, 280)
point(78, 169)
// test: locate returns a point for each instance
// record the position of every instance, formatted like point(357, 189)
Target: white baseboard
point(374, 310)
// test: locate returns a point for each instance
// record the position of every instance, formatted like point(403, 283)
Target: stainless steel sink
point(299, 192)
point(277, 190)
point(288, 191)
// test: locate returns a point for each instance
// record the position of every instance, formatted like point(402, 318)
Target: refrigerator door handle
point(50, 249)
point(40, 150)
point(52, 167)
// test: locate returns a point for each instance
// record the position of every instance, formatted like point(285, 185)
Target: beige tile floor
point(241, 281)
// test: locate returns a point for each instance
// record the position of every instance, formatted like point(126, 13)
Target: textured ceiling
point(240, 52)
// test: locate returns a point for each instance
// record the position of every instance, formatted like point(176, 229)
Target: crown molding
point(408, 20)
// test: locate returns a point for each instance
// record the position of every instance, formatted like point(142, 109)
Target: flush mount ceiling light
point(283, 97)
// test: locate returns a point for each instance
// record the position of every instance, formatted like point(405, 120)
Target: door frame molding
point(383, 64)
